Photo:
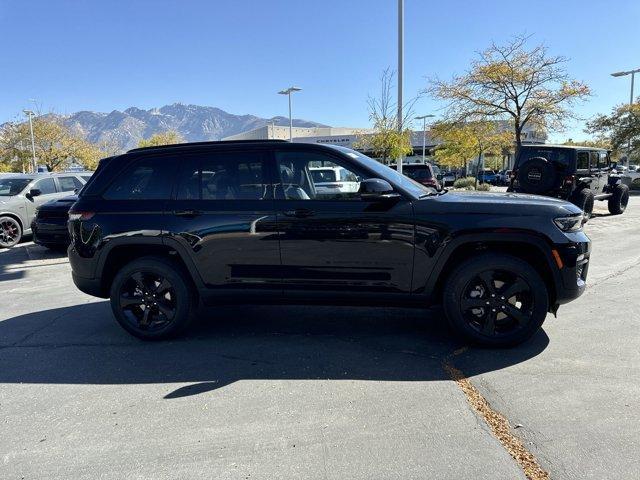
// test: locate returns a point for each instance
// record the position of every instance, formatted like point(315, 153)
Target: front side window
point(46, 186)
point(223, 176)
point(315, 176)
point(69, 184)
point(148, 179)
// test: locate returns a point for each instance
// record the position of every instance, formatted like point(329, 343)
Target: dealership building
point(356, 138)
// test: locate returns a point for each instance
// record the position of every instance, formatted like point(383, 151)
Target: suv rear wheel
point(619, 200)
point(584, 199)
point(495, 300)
point(151, 298)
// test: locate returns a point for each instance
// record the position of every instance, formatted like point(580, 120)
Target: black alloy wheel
point(151, 298)
point(495, 300)
point(10, 232)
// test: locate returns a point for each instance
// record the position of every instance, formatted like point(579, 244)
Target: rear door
point(596, 173)
point(222, 214)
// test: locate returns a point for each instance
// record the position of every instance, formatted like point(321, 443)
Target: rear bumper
point(90, 286)
point(82, 272)
point(50, 233)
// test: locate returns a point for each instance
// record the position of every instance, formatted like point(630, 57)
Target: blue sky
point(105, 55)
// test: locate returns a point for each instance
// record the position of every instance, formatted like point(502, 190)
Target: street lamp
point(288, 92)
point(424, 134)
point(400, 71)
point(30, 114)
point(624, 74)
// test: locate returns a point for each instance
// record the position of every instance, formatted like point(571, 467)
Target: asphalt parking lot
point(308, 392)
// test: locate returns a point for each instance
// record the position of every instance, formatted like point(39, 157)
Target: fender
point(500, 235)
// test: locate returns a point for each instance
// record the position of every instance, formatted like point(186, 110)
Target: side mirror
point(34, 192)
point(376, 189)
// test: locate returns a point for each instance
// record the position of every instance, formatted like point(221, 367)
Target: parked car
point(502, 177)
point(488, 176)
point(21, 195)
point(330, 182)
point(578, 174)
point(448, 179)
point(50, 225)
point(423, 173)
point(157, 237)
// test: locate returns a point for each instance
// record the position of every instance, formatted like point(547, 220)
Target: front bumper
point(575, 258)
point(50, 233)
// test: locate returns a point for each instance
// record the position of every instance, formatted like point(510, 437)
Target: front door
point(331, 240)
point(222, 214)
point(48, 192)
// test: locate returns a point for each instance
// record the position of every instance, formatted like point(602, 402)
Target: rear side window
point(148, 179)
point(223, 176)
point(603, 160)
point(69, 184)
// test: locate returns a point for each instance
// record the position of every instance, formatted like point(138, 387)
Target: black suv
point(578, 174)
point(163, 230)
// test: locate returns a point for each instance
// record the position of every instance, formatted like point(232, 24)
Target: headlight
point(569, 224)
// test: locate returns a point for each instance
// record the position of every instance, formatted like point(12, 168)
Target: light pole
point(624, 74)
point(400, 72)
point(424, 134)
point(29, 113)
point(288, 92)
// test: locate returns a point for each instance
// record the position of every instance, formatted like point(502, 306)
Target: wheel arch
point(16, 217)
point(531, 248)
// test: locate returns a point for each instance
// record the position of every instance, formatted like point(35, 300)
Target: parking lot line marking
point(499, 425)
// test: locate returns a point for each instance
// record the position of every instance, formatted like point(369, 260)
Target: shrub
point(483, 187)
point(464, 183)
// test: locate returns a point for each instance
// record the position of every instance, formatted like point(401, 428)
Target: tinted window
point(46, 186)
point(557, 155)
point(418, 173)
point(312, 176)
point(583, 161)
point(12, 186)
point(69, 184)
point(603, 160)
point(86, 177)
point(148, 179)
point(594, 159)
point(223, 176)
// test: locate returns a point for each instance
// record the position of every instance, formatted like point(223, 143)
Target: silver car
point(22, 194)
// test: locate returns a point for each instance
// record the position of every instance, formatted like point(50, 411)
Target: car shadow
point(15, 261)
point(82, 344)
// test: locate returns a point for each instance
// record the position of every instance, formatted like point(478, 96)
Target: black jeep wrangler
point(578, 174)
point(163, 230)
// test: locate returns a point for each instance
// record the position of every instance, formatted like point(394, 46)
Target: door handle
point(299, 213)
point(187, 213)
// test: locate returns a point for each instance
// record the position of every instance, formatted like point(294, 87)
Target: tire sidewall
point(184, 298)
point(616, 205)
point(20, 232)
point(457, 281)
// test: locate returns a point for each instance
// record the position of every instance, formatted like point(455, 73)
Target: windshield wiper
point(434, 194)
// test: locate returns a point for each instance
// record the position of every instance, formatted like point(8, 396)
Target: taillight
point(512, 175)
point(81, 215)
point(569, 179)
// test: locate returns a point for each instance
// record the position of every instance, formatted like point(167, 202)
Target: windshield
point(12, 186)
point(411, 186)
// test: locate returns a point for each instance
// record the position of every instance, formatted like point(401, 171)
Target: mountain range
point(195, 123)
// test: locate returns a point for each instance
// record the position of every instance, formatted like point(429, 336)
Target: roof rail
point(202, 144)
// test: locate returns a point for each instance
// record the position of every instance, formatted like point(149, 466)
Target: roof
point(572, 147)
point(203, 144)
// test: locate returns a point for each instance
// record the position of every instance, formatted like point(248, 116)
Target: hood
point(512, 204)
point(59, 204)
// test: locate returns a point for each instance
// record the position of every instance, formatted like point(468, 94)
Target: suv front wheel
point(619, 199)
point(495, 300)
point(151, 298)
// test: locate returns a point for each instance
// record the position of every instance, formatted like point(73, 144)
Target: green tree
point(387, 142)
point(526, 86)
point(56, 145)
point(462, 141)
point(169, 137)
point(619, 129)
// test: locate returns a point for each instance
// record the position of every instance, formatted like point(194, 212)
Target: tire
point(472, 309)
point(169, 313)
point(619, 200)
point(537, 175)
point(10, 232)
point(584, 199)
